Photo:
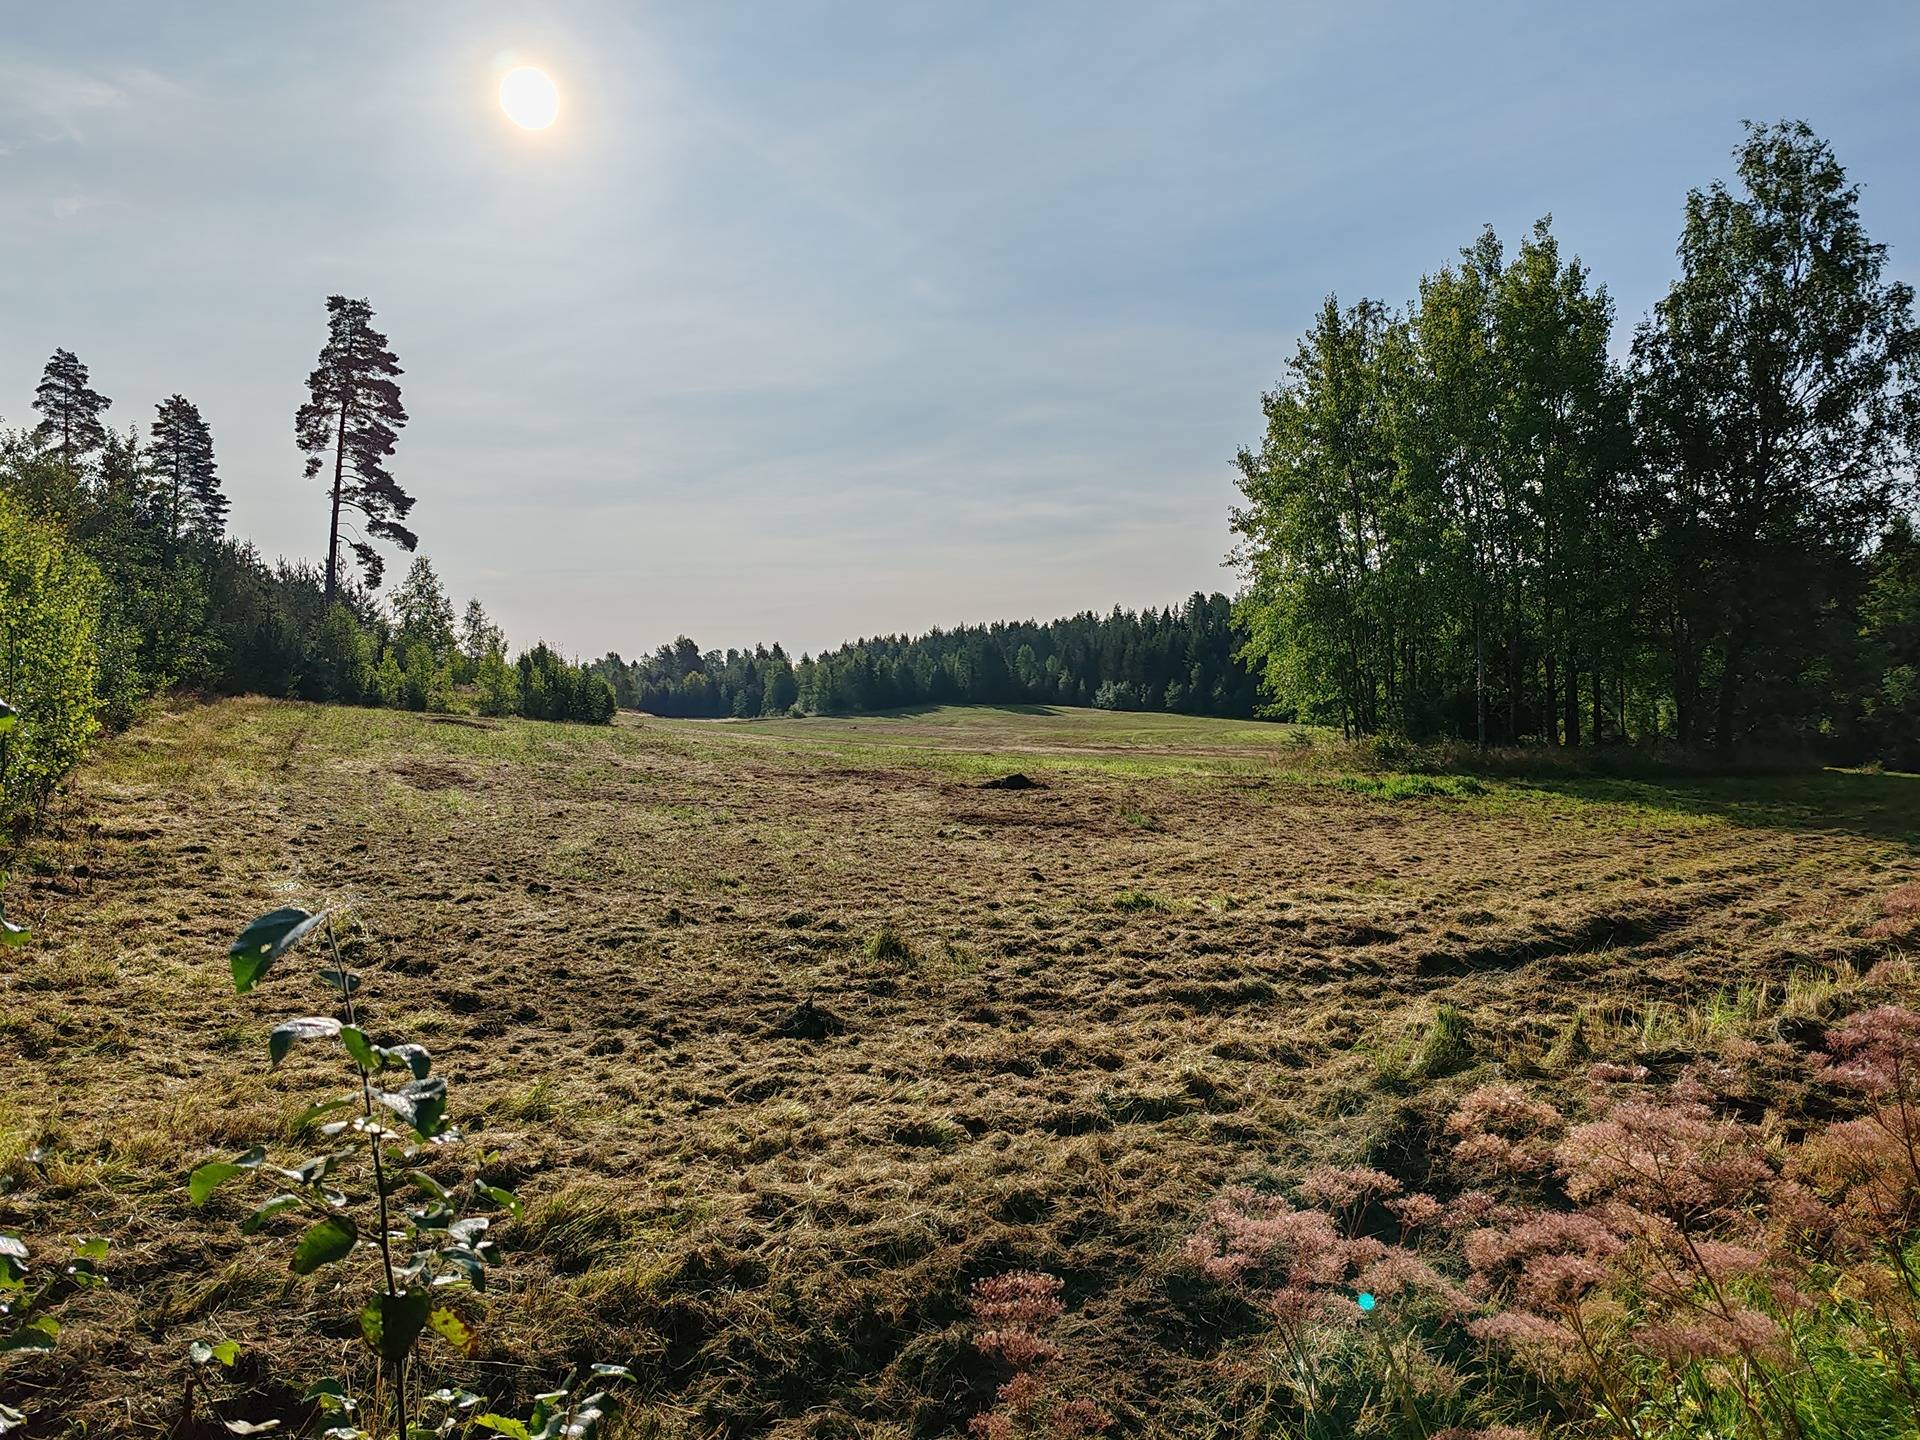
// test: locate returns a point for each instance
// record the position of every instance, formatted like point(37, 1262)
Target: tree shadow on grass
point(1884, 806)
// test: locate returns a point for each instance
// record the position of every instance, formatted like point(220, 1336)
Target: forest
point(119, 580)
point(1184, 660)
point(1468, 517)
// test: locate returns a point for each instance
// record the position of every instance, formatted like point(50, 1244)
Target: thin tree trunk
point(1551, 680)
point(1480, 676)
point(339, 471)
point(1572, 702)
point(1730, 677)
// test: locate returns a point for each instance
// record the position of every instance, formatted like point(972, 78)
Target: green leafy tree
point(423, 612)
point(479, 638)
point(1778, 403)
point(348, 426)
point(499, 685)
point(50, 598)
point(1316, 543)
point(1891, 626)
point(70, 410)
point(1565, 450)
point(388, 687)
point(343, 657)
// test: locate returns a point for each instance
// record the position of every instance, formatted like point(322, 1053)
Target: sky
point(810, 321)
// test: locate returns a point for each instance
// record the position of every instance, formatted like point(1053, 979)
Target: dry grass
point(1061, 1018)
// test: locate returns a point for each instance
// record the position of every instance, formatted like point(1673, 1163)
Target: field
point(787, 1032)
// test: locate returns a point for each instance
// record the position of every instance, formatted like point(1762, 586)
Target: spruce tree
point(187, 498)
point(349, 424)
point(70, 410)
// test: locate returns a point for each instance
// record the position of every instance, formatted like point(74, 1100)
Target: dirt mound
point(1015, 781)
point(808, 1021)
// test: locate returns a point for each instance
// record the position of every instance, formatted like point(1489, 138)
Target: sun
point(529, 96)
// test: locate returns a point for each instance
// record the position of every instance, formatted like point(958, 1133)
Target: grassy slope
point(598, 933)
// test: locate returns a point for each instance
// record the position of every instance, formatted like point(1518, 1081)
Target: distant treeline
point(1467, 519)
point(1150, 659)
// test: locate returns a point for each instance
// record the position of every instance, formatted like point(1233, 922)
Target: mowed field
point(1196, 953)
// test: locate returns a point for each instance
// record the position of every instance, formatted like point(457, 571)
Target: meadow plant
point(1016, 1313)
point(376, 1197)
point(1653, 1267)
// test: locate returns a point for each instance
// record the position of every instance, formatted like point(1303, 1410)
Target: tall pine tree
point(187, 501)
point(70, 410)
point(349, 424)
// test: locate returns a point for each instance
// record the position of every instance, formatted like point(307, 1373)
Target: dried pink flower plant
point(1501, 1129)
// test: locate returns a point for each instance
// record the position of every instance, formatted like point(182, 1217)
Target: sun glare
point(529, 96)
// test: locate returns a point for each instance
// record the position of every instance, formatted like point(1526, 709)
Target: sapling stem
point(379, 1173)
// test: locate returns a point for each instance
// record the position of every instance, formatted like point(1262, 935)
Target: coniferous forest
point(1183, 660)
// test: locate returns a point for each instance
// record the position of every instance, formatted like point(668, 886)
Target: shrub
point(343, 658)
point(1650, 1268)
point(499, 685)
point(388, 686)
point(49, 663)
point(551, 689)
point(384, 1200)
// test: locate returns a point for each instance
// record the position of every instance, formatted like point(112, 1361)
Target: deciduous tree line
point(1164, 659)
point(1468, 518)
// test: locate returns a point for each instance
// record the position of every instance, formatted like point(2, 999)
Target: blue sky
point(816, 320)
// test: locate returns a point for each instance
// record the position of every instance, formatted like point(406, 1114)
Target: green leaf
point(363, 1050)
point(469, 1262)
point(266, 940)
point(94, 1249)
point(226, 1352)
point(345, 981)
point(278, 1205)
point(313, 1112)
point(37, 1334)
point(469, 1230)
point(452, 1329)
point(215, 1173)
point(332, 1396)
point(324, 1242)
point(414, 1057)
point(420, 1103)
point(307, 1027)
point(9, 717)
point(12, 934)
point(504, 1425)
point(500, 1196)
point(391, 1323)
point(426, 1184)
